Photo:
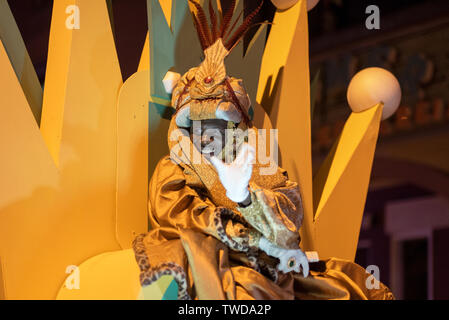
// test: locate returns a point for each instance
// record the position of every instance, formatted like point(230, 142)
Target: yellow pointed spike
point(26, 170)
point(59, 52)
point(21, 61)
point(284, 93)
point(60, 215)
point(144, 63)
point(166, 6)
point(23, 152)
point(341, 185)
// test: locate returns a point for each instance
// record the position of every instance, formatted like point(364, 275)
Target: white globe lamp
point(372, 86)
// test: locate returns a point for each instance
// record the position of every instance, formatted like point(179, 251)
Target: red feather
point(233, 26)
point(201, 36)
point(213, 19)
point(227, 18)
point(202, 19)
point(243, 28)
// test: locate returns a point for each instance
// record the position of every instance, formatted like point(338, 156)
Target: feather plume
point(201, 36)
point(233, 26)
point(227, 18)
point(213, 19)
point(202, 22)
point(243, 28)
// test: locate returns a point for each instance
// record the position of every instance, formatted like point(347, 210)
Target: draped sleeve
point(276, 213)
point(174, 204)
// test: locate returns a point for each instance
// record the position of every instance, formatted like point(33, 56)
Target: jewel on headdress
point(208, 80)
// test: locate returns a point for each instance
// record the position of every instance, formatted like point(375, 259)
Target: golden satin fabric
point(184, 233)
point(209, 245)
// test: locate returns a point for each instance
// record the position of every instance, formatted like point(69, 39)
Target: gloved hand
point(235, 176)
point(290, 259)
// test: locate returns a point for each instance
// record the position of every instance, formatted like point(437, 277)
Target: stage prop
point(74, 187)
point(58, 181)
point(20, 60)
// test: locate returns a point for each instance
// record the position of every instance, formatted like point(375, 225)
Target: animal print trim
point(248, 243)
point(261, 266)
point(253, 259)
point(223, 214)
point(140, 254)
point(270, 271)
point(167, 269)
point(149, 274)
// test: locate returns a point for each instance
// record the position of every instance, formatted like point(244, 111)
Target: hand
point(235, 176)
point(290, 259)
point(293, 260)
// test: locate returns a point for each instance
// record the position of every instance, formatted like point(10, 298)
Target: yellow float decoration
point(74, 191)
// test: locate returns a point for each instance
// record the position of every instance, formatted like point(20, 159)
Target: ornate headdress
point(206, 91)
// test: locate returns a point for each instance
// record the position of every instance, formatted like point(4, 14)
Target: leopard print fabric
point(231, 229)
point(149, 275)
point(223, 217)
point(271, 272)
point(139, 253)
point(167, 269)
point(252, 252)
point(253, 259)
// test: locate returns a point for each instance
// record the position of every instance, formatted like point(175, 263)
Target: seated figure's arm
point(174, 204)
point(277, 214)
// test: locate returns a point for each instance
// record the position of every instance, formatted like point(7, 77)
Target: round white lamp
point(372, 86)
point(285, 4)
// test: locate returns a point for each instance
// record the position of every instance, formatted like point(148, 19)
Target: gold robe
point(209, 244)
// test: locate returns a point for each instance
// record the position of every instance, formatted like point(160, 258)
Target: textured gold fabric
point(208, 101)
point(210, 245)
point(200, 110)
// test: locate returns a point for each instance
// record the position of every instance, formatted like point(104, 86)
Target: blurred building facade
point(405, 230)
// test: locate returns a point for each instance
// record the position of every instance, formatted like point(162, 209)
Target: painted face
point(208, 136)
